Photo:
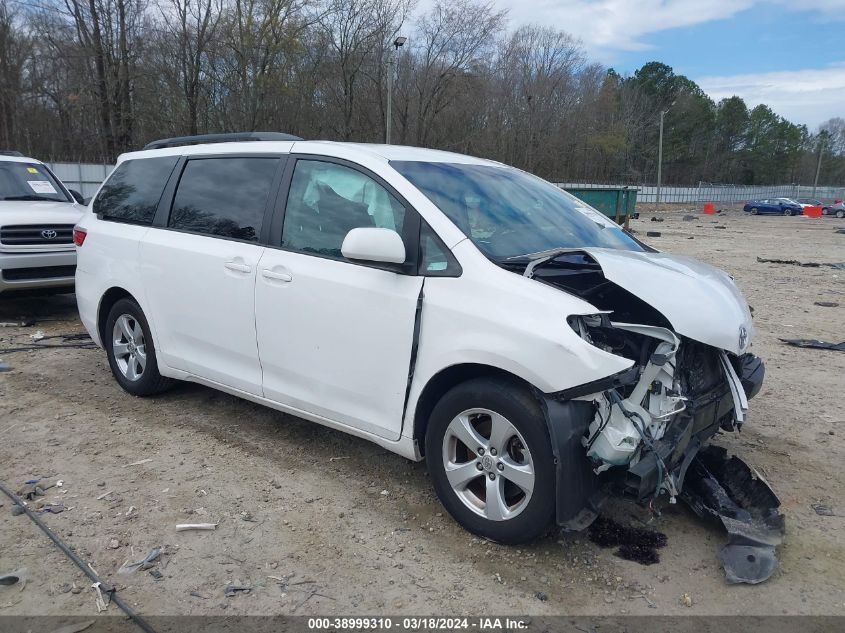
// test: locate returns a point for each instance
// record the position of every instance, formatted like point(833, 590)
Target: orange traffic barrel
point(813, 212)
point(709, 209)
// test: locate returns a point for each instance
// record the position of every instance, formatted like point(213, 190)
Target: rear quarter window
point(132, 192)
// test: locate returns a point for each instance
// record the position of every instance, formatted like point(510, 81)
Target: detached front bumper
point(30, 271)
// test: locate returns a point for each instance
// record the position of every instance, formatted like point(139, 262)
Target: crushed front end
point(648, 427)
point(643, 431)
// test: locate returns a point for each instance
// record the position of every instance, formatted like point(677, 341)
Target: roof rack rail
point(9, 152)
point(221, 138)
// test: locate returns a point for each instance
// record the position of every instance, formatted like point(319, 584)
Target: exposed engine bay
point(644, 428)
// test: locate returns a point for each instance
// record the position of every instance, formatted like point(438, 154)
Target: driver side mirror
point(77, 196)
point(371, 244)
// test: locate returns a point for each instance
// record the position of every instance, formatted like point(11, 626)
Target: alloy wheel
point(488, 464)
point(129, 347)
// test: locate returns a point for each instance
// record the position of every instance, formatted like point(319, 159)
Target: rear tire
point(787, 211)
point(486, 437)
point(840, 214)
point(131, 352)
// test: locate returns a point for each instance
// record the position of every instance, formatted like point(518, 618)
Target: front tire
point(130, 350)
point(787, 211)
point(754, 211)
point(840, 214)
point(490, 459)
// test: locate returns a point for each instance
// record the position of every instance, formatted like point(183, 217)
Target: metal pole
point(390, 64)
point(818, 167)
point(660, 157)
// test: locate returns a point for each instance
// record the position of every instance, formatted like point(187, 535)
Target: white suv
point(439, 305)
point(37, 214)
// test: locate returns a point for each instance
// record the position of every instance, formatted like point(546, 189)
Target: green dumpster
point(614, 202)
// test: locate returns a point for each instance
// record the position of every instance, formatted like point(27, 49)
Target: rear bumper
point(31, 271)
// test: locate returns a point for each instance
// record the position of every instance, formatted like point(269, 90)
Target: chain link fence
point(86, 178)
point(710, 192)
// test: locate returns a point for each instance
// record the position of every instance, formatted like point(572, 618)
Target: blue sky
point(789, 54)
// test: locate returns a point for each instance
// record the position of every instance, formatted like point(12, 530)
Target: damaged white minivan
point(445, 307)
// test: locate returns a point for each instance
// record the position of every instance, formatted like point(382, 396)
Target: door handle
point(238, 267)
point(269, 273)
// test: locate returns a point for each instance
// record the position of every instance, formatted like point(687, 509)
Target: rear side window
point(132, 192)
point(225, 197)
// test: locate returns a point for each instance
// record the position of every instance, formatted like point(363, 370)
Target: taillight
point(79, 236)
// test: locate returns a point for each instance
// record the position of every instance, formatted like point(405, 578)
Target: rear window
point(224, 197)
point(132, 192)
point(29, 182)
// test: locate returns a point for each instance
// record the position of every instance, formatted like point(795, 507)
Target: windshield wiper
point(540, 258)
point(29, 198)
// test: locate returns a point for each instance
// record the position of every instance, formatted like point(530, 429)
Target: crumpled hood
point(19, 212)
point(700, 301)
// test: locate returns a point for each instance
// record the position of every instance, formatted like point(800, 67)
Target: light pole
point(391, 67)
point(660, 152)
point(819, 164)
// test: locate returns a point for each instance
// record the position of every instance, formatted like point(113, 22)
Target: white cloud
point(809, 96)
point(609, 26)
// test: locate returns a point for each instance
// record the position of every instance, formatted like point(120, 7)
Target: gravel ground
point(317, 522)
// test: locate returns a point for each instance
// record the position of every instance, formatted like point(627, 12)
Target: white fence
point(708, 192)
point(84, 177)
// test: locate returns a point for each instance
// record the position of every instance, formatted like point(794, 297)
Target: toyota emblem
point(49, 234)
point(743, 337)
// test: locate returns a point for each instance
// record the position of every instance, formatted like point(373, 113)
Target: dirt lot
point(316, 522)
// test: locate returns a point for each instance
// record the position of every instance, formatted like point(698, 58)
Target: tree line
point(84, 80)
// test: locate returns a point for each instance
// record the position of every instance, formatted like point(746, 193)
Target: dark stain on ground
point(634, 544)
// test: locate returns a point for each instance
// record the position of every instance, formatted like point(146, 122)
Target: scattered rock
point(542, 597)
point(690, 218)
point(653, 233)
point(114, 543)
point(656, 219)
point(686, 600)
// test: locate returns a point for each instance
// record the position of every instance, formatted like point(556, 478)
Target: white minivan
point(443, 306)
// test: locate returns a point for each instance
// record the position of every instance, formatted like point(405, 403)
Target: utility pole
point(818, 164)
point(660, 152)
point(391, 69)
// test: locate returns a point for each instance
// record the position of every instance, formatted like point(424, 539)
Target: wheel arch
point(109, 298)
point(444, 380)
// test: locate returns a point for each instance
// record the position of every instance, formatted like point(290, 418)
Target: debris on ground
point(826, 304)
point(542, 597)
point(39, 335)
point(686, 600)
point(196, 526)
point(795, 262)
point(139, 462)
point(156, 574)
point(810, 343)
point(690, 218)
point(656, 219)
point(5, 367)
point(102, 605)
point(653, 233)
point(728, 490)
point(74, 628)
point(14, 577)
point(148, 562)
point(634, 544)
point(720, 227)
point(232, 589)
point(823, 511)
point(52, 508)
